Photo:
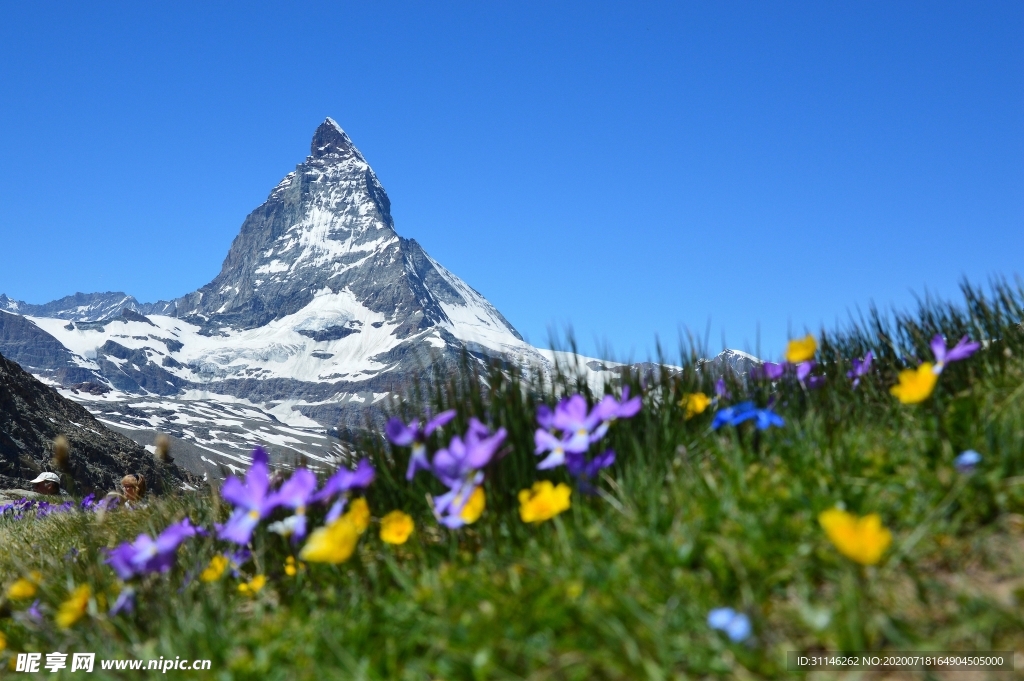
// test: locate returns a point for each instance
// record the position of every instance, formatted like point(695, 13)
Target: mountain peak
point(329, 139)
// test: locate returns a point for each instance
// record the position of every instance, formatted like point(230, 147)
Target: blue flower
point(745, 411)
point(966, 461)
point(736, 625)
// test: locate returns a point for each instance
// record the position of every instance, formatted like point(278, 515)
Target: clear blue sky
point(630, 168)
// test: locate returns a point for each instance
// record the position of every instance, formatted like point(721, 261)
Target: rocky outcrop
point(32, 415)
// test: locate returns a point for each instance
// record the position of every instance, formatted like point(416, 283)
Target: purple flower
point(342, 482)
point(966, 461)
point(962, 350)
point(721, 391)
point(548, 442)
point(545, 417)
point(345, 480)
point(609, 408)
point(458, 467)
point(251, 501)
point(462, 458)
point(33, 612)
point(581, 426)
point(803, 374)
point(146, 555)
point(861, 367)
point(405, 435)
point(295, 493)
point(584, 470)
point(125, 602)
point(773, 371)
point(736, 625)
point(448, 506)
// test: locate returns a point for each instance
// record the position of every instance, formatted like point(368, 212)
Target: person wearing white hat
point(46, 483)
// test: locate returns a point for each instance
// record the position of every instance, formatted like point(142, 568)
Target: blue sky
point(631, 169)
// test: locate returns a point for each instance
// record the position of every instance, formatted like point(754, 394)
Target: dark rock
point(328, 334)
point(33, 414)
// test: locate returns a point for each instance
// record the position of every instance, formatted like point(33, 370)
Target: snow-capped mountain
point(320, 310)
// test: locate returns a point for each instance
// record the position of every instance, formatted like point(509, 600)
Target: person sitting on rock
point(46, 483)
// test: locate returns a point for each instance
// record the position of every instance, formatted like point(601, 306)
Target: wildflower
point(359, 515)
point(292, 567)
point(25, 587)
point(861, 367)
point(915, 385)
point(474, 506)
point(609, 409)
point(579, 428)
point(943, 355)
point(694, 403)
point(33, 612)
point(404, 435)
point(294, 493)
point(745, 411)
point(861, 539)
point(545, 417)
point(548, 442)
point(584, 470)
point(215, 569)
point(771, 371)
point(149, 555)
point(396, 527)
point(74, 607)
point(583, 427)
point(736, 625)
point(458, 467)
point(801, 349)
point(803, 375)
point(125, 602)
point(332, 543)
point(251, 500)
point(721, 390)
point(966, 461)
point(3, 642)
point(253, 586)
point(543, 502)
point(342, 483)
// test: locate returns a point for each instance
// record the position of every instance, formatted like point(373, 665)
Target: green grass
point(619, 586)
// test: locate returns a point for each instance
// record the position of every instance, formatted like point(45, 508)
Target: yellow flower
point(915, 384)
point(292, 567)
point(543, 502)
point(801, 349)
point(359, 514)
point(3, 642)
point(861, 539)
point(25, 587)
point(474, 506)
point(253, 586)
point(215, 569)
point(74, 607)
point(694, 403)
point(396, 527)
point(333, 543)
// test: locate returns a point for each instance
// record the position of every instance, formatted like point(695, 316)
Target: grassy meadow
point(620, 585)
